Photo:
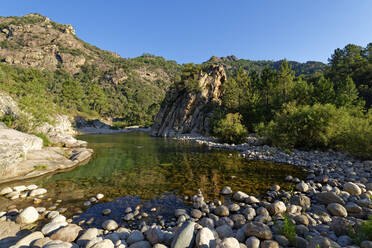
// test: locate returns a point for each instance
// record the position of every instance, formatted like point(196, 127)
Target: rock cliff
point(184, 111)
point(23, 155)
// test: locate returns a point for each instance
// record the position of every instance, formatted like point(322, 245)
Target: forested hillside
point(77, 77)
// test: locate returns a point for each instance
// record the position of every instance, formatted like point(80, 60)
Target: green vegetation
point(307, 69)
point(318, 111)
point(288, 229)
point(189, 79)
point(40, 167)
point(46, 141)
point(8, 120)
point(363, 232)
point(29, 19)
point(74, 52)
point(230, 129)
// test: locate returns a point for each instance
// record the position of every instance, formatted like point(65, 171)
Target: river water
point(144, 167)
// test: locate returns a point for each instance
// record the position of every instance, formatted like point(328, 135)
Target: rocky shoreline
point(321, 211)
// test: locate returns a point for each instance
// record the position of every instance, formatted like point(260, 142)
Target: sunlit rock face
point(183, 111)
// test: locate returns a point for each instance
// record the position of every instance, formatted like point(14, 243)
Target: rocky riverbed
point(327, 209)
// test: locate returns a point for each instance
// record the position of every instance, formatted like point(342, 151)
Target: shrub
point(355, 135)
point(8, 120)
point(364, 232)
point(289, 229)
point(321, 126)
point(230, 129)
point(304, 126)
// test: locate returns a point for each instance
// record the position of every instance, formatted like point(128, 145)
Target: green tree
point(72, 94)
point(230, 129)
point(302, 93)
point(97, 98)
point(346, 93)
point(231, 94)
point(285, 82)
point(324, 91)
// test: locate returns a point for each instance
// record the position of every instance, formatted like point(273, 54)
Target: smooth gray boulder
point(185, 236)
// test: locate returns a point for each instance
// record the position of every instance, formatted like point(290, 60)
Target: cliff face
point(183, 111)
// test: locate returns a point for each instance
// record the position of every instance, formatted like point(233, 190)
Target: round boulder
point(258, 229)
point(277, 207)
point(352, 188)
point(27, 216)
point(337, 210)
point(110, 225)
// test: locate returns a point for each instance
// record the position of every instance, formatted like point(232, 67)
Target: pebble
point(100, 196)
point(106, 212)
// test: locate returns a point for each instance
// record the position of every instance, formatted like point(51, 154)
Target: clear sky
point(195, 30)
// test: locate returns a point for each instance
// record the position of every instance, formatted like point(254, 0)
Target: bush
point(304, 126)
point(230, 129)
point(321, 126)
point(364, 232)
point(8, 120)
point(355, 135)
point(288, 229)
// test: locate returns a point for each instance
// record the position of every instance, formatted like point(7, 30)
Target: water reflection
point(135, 164)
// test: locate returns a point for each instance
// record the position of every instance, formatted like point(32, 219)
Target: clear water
point(135, 164)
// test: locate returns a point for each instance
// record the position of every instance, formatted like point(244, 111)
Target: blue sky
point(195, 30)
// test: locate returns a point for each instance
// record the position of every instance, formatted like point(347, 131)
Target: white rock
point(59, 218)
point(205, 238)
point(229, 243)
point(27, 216)
point(20, 188)
point(37, 192)
point(6, 190)
point(99, 196)
point(52, 226)
point(32, 187)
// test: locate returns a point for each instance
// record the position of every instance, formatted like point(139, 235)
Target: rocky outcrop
point(185, 111)
point(14, 147)
point(61, 132)
point(7, 105)
point(23, 155)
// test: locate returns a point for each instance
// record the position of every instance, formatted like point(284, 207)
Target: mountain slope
point(132, 88)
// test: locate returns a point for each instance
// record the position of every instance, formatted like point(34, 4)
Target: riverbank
point(320, 211)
